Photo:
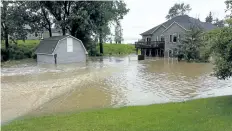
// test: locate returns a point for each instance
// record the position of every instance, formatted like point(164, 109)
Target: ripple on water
point(104, 82)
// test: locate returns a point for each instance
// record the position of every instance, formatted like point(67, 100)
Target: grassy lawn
point(211, 114)
point(28, 43)
point(117, 49)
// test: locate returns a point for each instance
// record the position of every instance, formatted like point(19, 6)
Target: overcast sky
point(145, 14)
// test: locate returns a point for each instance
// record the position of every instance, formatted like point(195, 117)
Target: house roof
point(184, 21)
point(48, 45)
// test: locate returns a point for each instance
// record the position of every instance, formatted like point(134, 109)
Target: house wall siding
point(158, 33)
point(78, 54)
point(45, 59)
point(175, 28)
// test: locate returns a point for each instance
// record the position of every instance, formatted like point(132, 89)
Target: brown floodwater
point(28, 89)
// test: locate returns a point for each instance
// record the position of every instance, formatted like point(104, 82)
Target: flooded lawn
point(30, 89)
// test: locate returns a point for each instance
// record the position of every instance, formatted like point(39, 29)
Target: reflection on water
point(104, 82)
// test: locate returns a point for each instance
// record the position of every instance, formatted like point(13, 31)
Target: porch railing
point(149, 44)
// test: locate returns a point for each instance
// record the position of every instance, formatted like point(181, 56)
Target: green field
point(117, 49)
point(210, 114)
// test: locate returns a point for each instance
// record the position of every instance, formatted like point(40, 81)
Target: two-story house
point(162, 40)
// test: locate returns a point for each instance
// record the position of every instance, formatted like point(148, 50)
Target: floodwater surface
point(29, 89)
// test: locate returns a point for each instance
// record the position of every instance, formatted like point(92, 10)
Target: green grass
point(117, 49)
point(211, 114)
point(28, 43)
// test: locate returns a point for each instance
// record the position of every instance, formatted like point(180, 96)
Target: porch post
point(157, 52)
point(150, 52)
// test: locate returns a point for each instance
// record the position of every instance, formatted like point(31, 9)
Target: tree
point(84, 19)
point(191, 44)
point(209, 18)
point(177, 10)
point(229, 7)
point(40, 17)
point(13, 22)
point(61, 11)
point(118, 33)
point(221, 40)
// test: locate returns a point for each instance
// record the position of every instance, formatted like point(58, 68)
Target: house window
point(148, 40)
point(170, 38)
point(69, 45)
point(179, 38)
point(157, 38)
point(174, 38)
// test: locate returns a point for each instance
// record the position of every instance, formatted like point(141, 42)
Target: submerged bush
point(20, 51)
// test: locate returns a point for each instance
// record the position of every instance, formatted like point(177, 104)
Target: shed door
point(69, 45)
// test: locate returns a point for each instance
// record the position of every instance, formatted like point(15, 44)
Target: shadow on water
point(104, 82)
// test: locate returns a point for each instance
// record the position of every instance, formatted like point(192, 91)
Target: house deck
point(150, 48)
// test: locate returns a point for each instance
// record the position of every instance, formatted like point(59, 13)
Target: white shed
point(61, 49)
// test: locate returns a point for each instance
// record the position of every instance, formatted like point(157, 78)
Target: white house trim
point(173, 24)
point(73, 38)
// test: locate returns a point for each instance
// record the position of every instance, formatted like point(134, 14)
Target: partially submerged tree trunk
point(63, 30)
point(6, 45)
point(50, 31)
point(101, 41)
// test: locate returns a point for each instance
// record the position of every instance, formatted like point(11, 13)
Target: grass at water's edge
point(117, 49)
point(209, 114)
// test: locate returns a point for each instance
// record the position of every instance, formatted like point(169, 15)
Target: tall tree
point(61, 11)
point(209, 18)
point(13, 22)
point(221, 41)
point(178, 9)
point(191, 44)
point(42, 17)
point(229, 7)
point(118, 38)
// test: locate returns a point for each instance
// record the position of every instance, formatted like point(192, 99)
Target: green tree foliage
point(209, 18)
point(13, 22)
point(178, 9)
point(229, 7)
point(40, 17)
point(192, 44)
point(118, 38)
point(221, 40)
point(85, 18)
point(82, 19)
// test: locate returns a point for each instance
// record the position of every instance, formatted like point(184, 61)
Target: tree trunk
point(6, 45)
point(50, 31)
point(101, 42)
point(63, 30)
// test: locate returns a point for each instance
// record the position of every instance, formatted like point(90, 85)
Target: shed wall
point(78, 54)
point(45, 59)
